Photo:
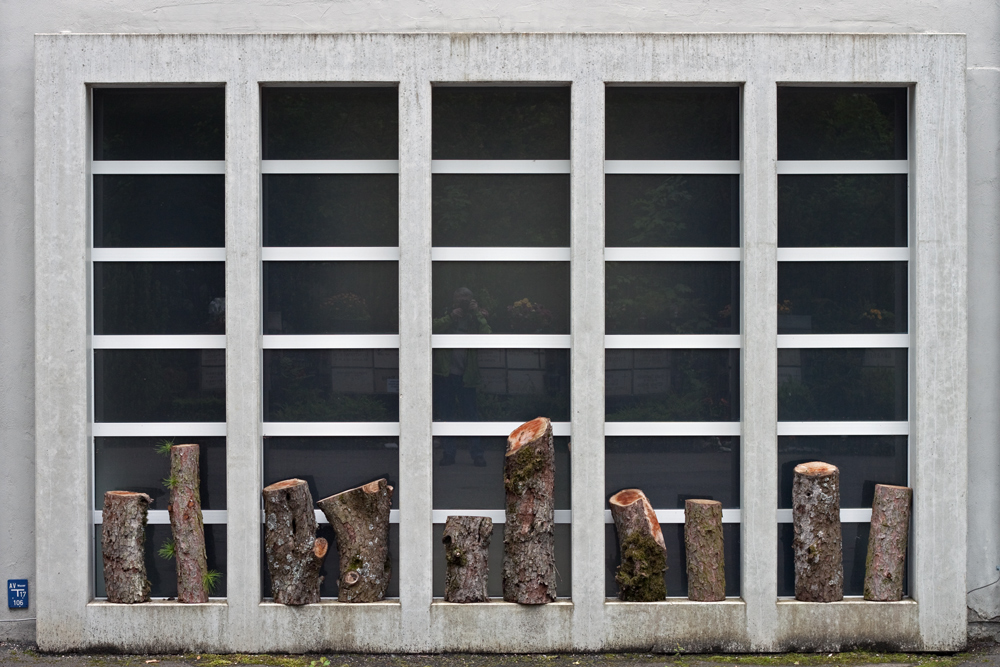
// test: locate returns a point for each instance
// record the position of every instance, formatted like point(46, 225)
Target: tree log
point(294, 554)
point(186, 524)
point(703, 542)
point(123, 542)
point(887, 543)
point(529, 558)
point(467, 548)
point(360, 518)
point(819, 557)
point(643, 552)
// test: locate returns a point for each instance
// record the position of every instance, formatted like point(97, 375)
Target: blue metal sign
point(17, 593)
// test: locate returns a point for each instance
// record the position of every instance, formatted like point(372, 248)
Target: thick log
point(703, 542)
point(643, 552)
point(360, 518)
point(123, 544)
point(294, 554)
point(819, 557)
point(467, 549)
point(529, 557)
point(887, 543)
point(186, 524)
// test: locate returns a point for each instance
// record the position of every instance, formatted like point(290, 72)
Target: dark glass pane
point(159, 211)
point(672, 210)
point(493, 385)
point(159, 298)
point(864, 461)
point(331, 297)
point(501, 123)
point(331, 386)
point(161, 572)
point(841, 297)
point(667, 123)
point(842, 384)
point(676, 575)
point(159, 124)
point(858, 211)
point(501, 210)
point(672, 298)
point(841, 123)
point(506, 297)
point(330, 123)
point(160, 385)
point(133, 464)
point(468, 473)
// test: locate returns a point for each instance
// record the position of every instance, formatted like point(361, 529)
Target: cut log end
point(816, 469)
point(128, 494)
point(321, 547)
point(526, 433)
point(628, 497)
point(181, 448)
point(283, 484)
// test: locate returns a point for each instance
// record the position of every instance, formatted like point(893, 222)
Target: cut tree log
point(123, 545)
point(186, 524)
point(819, 557)
point(643, 552)
point(467, 549)
point(703, 542)
point(887, 543)
point(294, 553)
point(529, 556)
point(360, 518)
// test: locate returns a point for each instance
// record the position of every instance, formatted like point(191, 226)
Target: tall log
point(529, 559)
point(467, 548)
point(186, 524)
point(819, 557)
point(123, 542)
point(643, 552)
point(360, 518)
point(294, 553)
point(887, 543)
point(703, 542)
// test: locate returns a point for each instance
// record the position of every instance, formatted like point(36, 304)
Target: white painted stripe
point(806, 167)
point(320, 254)
point(500, 166)
point(493, 341)
point(329, 166)
point(154, 167)
point(706, 429)
point(488, 428)
point(353, 429)
point(817, 341)
point(158, 342)
point(672, 254)
point(843, 428)
point(677, 516)
point(672, 342)
point(853, 515)
point(159, 429)
point(161, 517)
point(331, 342)
point(843, 254)
point(158, 254)
point(500, 254)
point(671, 166)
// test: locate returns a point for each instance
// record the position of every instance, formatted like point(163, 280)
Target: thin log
point(529, 559)
point(819, 558)
point(887, 543)
point(123, 545)
point(186, 524)
point(704, 544)
point(643, 552)
point(294, 553)
point(467, 548)
point(360, 518)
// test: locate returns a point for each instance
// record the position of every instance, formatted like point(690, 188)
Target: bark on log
point(643, 552)
point(819, 566)
point(887, 543)
point(186, 524)
point(529, 557)
point(360, 518)
point(123, 542)
point(294, 553)
point(703, 542)
point(467, 548)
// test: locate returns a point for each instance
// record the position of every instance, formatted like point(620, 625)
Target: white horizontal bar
point(672, 167)
point(843, 428)
point(672, 342)
point(677, 516)
point(343, 254)
point(807, 167)
point(498, 516)
point(499, 166)
point(854, 515)
point(672, 254)
point(488, 428)
point(194, 342)
point(698, 429)
point(500, 254)
point(161, 517)
point(353, 429)
point(159, 429)
point(492, 341)
point(331, 342)
point(329, 166)
point(154, 167)
point(843, 254)
point(816, 341)
point(158, 254)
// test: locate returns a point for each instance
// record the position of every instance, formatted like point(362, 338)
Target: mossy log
point(529, 557)
point(123, 545)
point(703, 542)
point(819, 558)
point(186, 524)
point(466, 549)
point(887, 543)
point(294, 553)
point(643, 551)
point(360, 518)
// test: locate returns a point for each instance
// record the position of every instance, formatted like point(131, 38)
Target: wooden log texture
point(360, 518)
point(643, 552)
point(123, 545)
point(294, 554)
point(887, 543)
point(529, 558)
point(703, 542)
point(819, 564)
point(467, 549)
point(186, 524)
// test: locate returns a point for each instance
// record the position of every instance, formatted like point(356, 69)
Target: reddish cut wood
point(186, 524)
point(704, 546)
point(887, 542)
point(466, 542)
point(643, 551)
point(123, 546)
point(819, 567)
point(294, 554)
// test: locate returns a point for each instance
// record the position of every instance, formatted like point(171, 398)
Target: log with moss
point(186, 524)
point(704, 545)
point(467, 549)
point(294, 553)
point(818, 549)
point(887, 543)
point(123, 546)
point(643, 551)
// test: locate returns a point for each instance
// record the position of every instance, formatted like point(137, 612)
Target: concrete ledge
point(849, 624)
point(327, 626)
point(161, 626)
point(676, 624)
point(487, 627)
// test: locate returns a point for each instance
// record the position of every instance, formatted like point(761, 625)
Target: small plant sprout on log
point(643, 551)
point(887, 543)
point(706, 560)
point(123, 542)
point(294, 553)
point(819, 559)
